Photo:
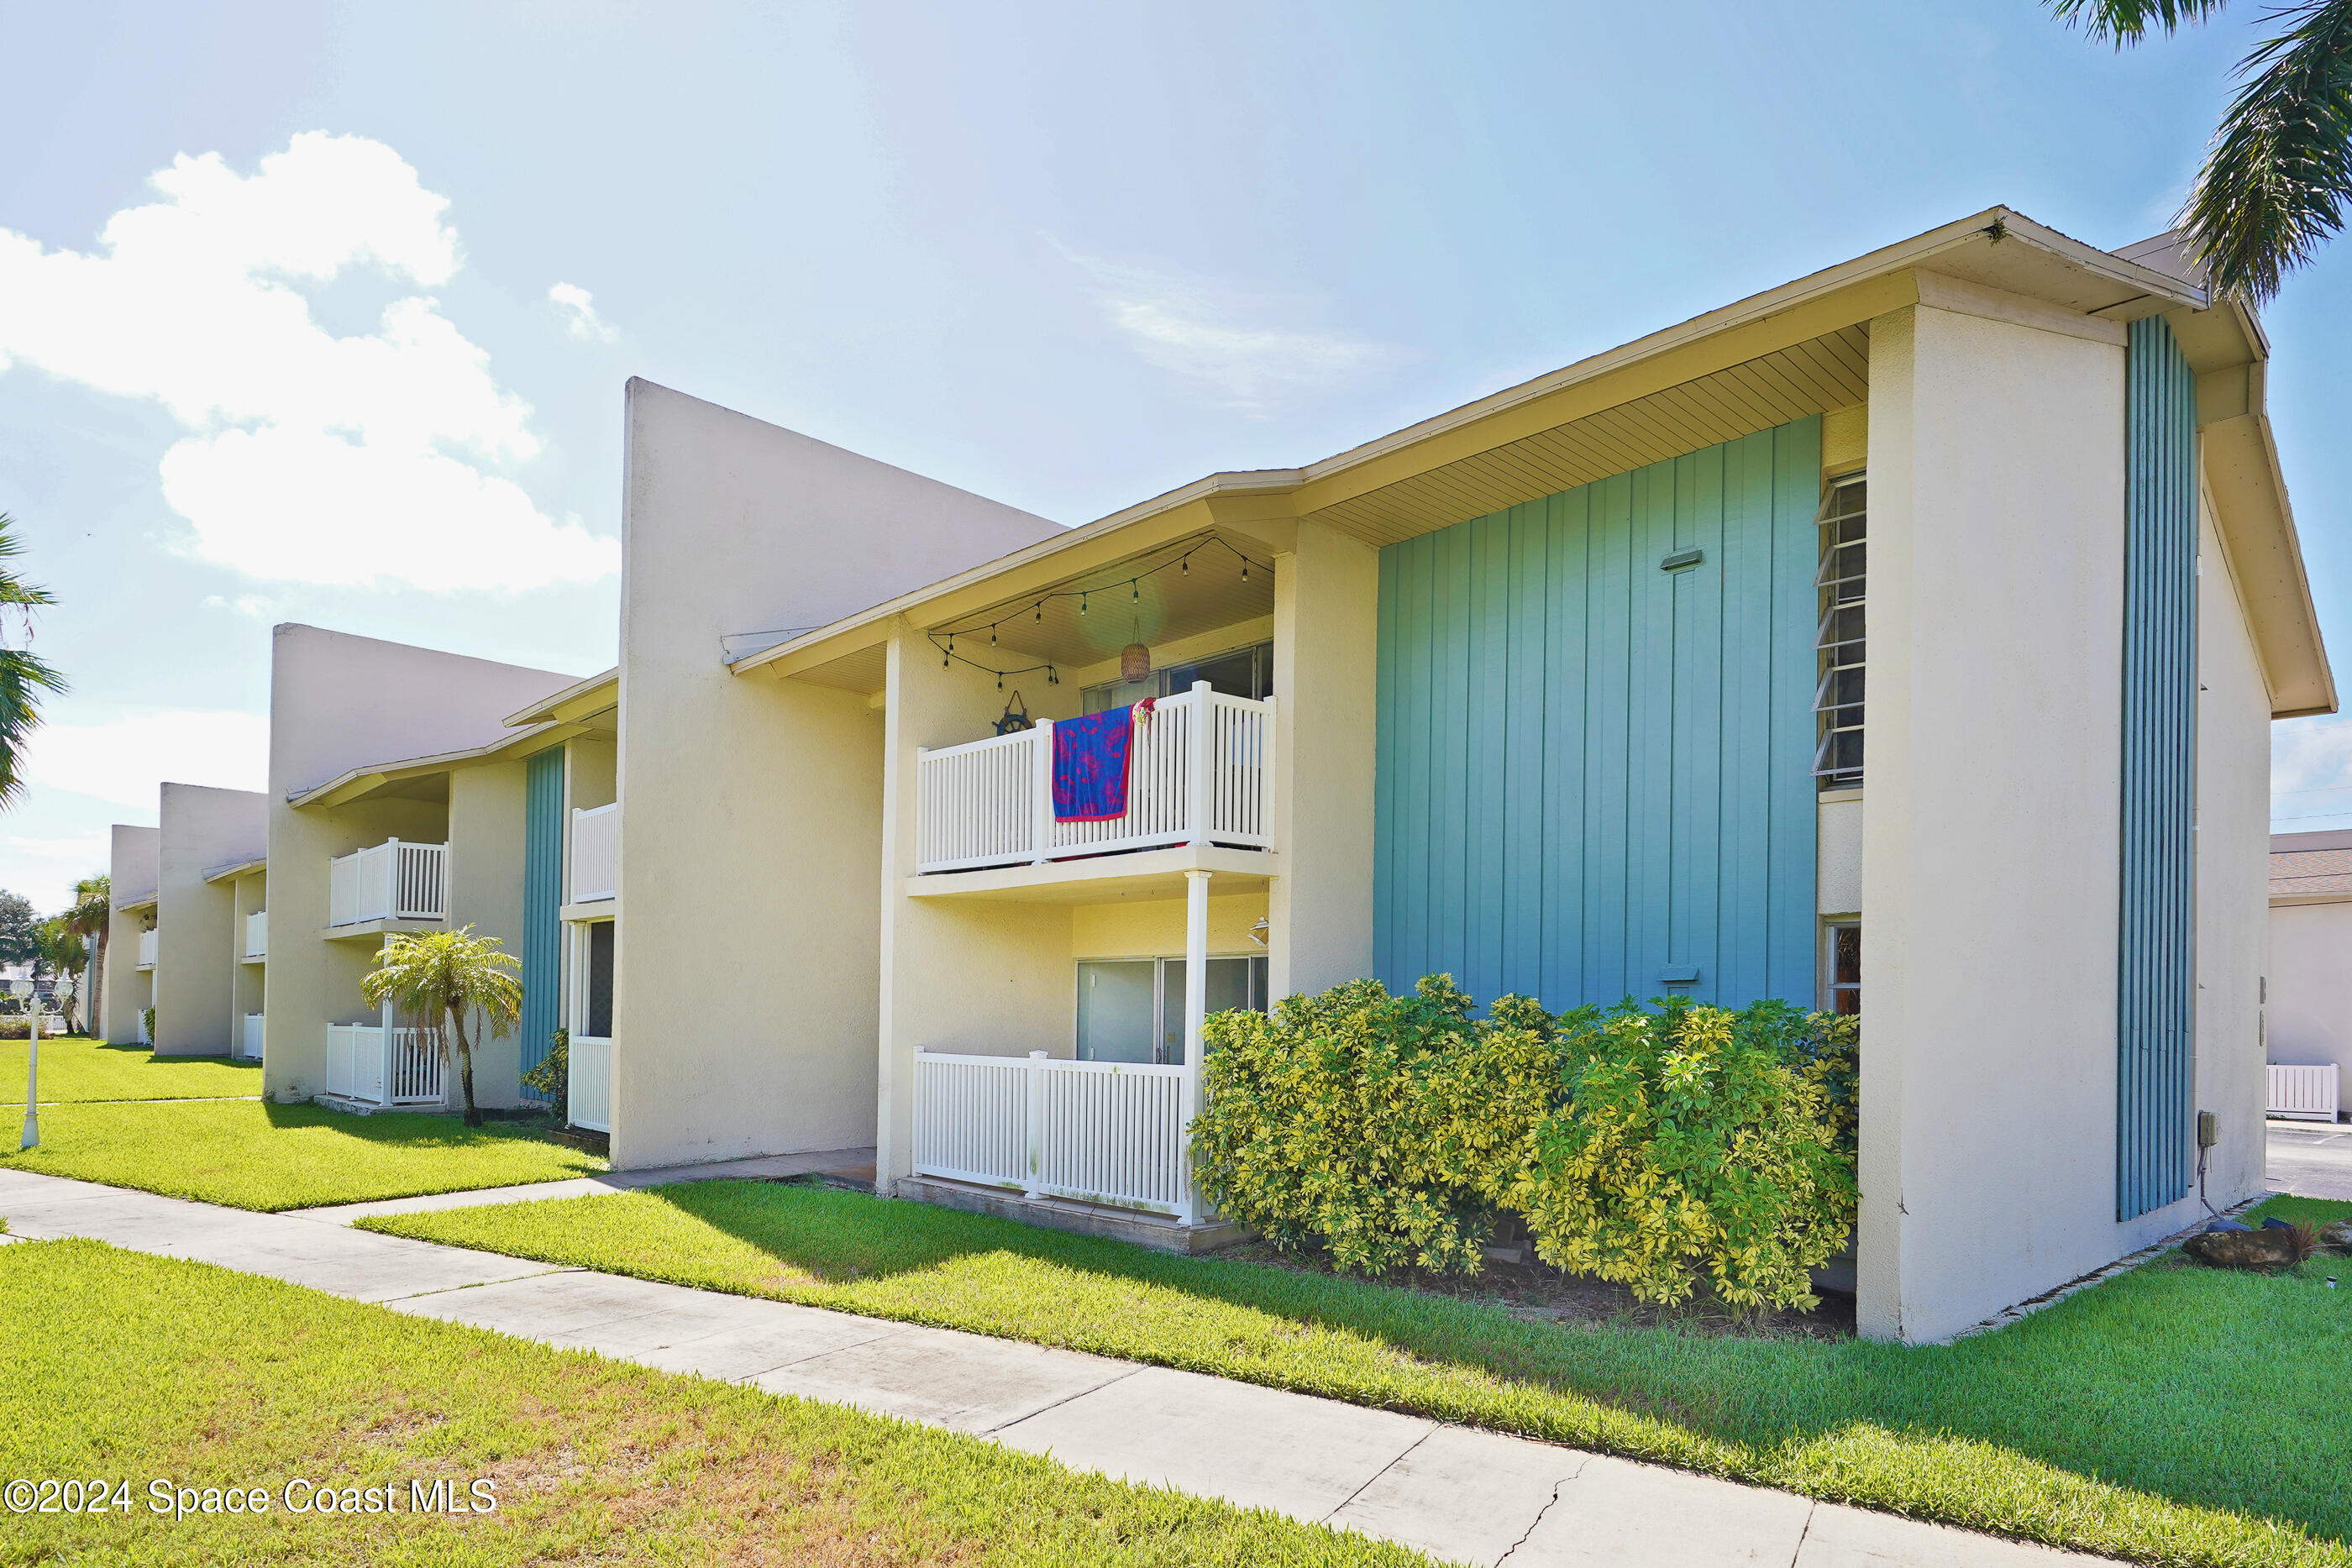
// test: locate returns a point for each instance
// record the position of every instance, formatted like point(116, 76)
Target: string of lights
point(1035, 610)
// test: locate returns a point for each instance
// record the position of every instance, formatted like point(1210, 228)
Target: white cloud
point(92, 848)
point(579, 310)
point(122, 760)
point(2311, 773)
point(1226, 338)
point(303, 445)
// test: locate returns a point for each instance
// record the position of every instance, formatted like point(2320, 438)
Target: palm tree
point(65, 955)
point(449, 973)
point(91, 917)
point(23, 677)
point(2279, 166)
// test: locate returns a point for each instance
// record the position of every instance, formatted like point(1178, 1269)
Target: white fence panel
point(2304, 1093)
point(355, 1062)
point(1099, 1131)
point(257, 934)
point(253, 1036)
point(413, 1068)
point(389, 881)
point(589, 1084)
point(1111, 1133)
point(1199, 769)
point(595, 853)
point(147, 944)
point(971, 1118)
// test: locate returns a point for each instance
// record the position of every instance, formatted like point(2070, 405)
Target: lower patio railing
point(2304, 1093)
point(1099, 1131)
point(383, 1066)
point(588, 1093)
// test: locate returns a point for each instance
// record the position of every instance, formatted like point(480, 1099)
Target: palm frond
point(22, 677)
point(2273, 186)
point(2127, 21)
point(13, 590)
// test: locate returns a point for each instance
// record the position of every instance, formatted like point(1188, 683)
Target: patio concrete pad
point(1619, 1512)
point(1842, 1537)
point(1463, 1494)
point(966, 1383)
point(1260, 1448)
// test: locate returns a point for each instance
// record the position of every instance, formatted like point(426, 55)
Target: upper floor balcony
point(256, 935)
point(391, 881)
point(147, 943)
point(595, 853)
point(1199, 771)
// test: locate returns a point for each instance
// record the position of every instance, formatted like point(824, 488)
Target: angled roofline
point(236, 869)
point(373, 775)
point(2146, 290)
point(574, 702)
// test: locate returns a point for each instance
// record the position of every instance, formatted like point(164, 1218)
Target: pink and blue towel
point(1090, 756)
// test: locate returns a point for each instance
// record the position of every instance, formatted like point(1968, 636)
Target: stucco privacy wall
point(1596, 774)
point(134, 862)
point(2233, 811)
point(486, 891)
point(203, 830)
point(336, 703)
point(1991, 848)
point(2310, 1015)
point(751, 807)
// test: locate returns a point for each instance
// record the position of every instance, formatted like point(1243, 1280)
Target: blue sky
point(353, 353)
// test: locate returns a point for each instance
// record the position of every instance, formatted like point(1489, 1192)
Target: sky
point(321, 313)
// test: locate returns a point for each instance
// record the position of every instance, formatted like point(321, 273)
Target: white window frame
point(1158, 962)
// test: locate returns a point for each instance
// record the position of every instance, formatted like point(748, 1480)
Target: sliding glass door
point(1121, 1000)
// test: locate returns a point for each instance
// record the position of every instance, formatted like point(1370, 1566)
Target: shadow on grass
point(400, 1129)
point(2212, 1389)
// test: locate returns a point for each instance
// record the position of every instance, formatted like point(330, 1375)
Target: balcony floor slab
point(1139, 875)
point(362, 929)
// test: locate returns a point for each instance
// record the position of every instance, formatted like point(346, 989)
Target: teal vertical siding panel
point(542, 900)
point(1591, 769)
point(2156, 978)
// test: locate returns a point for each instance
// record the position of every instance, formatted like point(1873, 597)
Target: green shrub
point(1669, 1149)
point(551, 1079)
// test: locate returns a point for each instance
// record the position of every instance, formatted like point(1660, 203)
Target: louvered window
point(1845, 523)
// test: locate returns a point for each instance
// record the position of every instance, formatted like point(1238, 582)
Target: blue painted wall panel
point(1591, 770)
point(2156, 978)
point(542, 900)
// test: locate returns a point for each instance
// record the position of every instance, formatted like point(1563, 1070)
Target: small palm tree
point(90, 916)
point(449, 973)
point(23, 677)
point(65, 954)
point(2279, 169)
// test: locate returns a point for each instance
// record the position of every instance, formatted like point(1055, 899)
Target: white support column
point(1196, 1009)
point(1041, 839)
point(1198, 785)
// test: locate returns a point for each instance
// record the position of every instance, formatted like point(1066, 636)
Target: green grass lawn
point(250, 1155)
point(130, 1367)
point(2174, 1415)
point(75, 1069)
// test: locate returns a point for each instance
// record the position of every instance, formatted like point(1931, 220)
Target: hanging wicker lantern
point(1134, 663)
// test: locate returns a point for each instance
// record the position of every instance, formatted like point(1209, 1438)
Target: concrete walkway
point(1460, 1495)
point(2311, 1159)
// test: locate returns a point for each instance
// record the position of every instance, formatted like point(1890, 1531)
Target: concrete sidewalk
point(1460, 1495)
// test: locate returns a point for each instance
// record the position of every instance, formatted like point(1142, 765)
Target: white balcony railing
point(1199, 768)
point(588, 1091)
point(257, 934)
point(252, 1041)
point(147, 943)
point(392, 881)
point(595, 853)
point(1099, 1131)
point(383, 1066)
point(2304, 1093)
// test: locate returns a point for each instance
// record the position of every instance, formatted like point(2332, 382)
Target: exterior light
point(1134, 663)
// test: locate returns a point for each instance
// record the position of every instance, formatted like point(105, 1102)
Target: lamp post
point(32, 1062)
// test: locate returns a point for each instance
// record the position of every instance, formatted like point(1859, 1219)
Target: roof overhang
point(236, 869)
point(134, 905)
point(575, 703)
point(384, 777)
point(1778, 356)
